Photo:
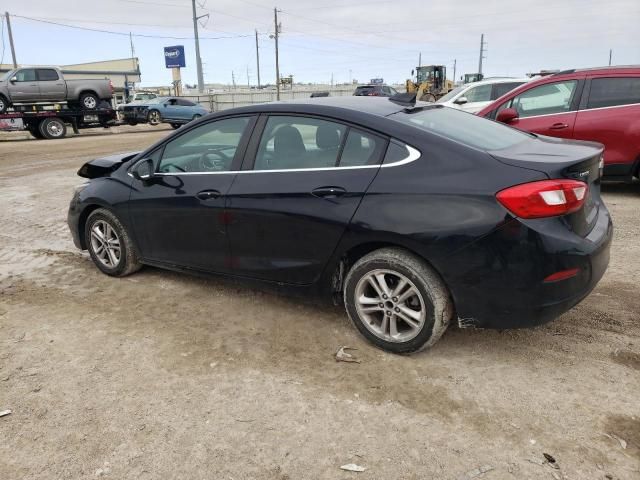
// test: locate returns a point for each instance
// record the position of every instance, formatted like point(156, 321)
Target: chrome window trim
point(414, 154)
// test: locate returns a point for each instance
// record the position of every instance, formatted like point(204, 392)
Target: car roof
point(491, 81)
point(614, 69)
point(380, 107)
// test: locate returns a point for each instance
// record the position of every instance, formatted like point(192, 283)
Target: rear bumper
point(518, 257)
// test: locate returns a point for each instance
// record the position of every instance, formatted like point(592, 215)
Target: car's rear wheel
point(52, 128)
point(154, 117)
point(109, 244)
point(397, 301)
point(89, 101)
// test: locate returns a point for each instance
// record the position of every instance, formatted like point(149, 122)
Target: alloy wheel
point(90, 102)
point(105, 244)
point(54, 129)
point(390, 305)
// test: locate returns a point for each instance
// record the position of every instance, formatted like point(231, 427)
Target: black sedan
point(412, 215)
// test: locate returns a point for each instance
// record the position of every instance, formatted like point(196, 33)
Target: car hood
point(104, 166)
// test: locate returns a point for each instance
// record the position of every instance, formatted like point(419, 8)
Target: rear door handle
point(558, 126)
point(328, 192)
point(208, 194)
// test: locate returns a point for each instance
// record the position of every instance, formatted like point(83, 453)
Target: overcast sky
point(378, 38)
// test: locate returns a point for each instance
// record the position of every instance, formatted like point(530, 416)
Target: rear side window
point(609, 92)
point(365, 90)
point(463, 127)
point(361, 149)
point(499, 89)
point(47, 74)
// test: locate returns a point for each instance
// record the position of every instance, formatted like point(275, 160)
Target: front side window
point(185, 103)
point(47, 74)
point(208, 148)
point(609, 92)
point(544, 100)
point(481, 93)
point(26, 75)
point(299, 142)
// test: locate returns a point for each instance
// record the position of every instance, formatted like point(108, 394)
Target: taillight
point(111, 86)
point(546, 198)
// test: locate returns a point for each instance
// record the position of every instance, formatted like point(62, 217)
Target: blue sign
point(377, 81)
point(174, 56)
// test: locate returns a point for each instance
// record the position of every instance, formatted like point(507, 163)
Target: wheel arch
point(87, 90)
point(82, 221)
point(349, 256)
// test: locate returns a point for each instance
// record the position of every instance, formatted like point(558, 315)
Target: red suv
point(599, 104)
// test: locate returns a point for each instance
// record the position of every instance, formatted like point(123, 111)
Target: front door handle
point(558, 126)
point(328, 192)
point(208, 194)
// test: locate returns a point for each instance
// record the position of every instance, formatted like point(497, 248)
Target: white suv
point(473, 97)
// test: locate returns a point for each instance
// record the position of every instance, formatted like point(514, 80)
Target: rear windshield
point(365, 89)
point(463, 127)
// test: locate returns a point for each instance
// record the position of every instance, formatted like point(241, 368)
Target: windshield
point(463, 127)
point(451, 94)
point(6, 75)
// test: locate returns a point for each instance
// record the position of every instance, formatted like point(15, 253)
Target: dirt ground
point(163, 376)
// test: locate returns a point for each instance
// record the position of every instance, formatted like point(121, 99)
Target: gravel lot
point(162, 376)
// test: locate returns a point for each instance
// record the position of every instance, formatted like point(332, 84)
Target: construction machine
point(431, 83)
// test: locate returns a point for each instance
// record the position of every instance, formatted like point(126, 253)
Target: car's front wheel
point(397, 301)
point(154, 117)
point(109, 244)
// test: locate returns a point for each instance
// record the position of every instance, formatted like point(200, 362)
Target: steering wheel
point(219, 162)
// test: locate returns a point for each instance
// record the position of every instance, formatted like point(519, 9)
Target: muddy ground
point(162, 376)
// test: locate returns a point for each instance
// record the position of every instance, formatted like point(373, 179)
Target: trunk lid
point(558, 158)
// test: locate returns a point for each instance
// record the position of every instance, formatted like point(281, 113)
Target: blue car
point(174, 110)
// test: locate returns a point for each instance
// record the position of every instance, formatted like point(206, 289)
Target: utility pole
point(331, 79)
point(610, 55)
point(233, 79)
point(275, 19)
point(198, 59)
point(454, 71)
point(13, 50)
point(482, 45)
point(258, 59)
point(420, 59)
point(248, 82)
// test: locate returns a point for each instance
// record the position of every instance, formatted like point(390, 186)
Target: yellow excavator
point(431, 83)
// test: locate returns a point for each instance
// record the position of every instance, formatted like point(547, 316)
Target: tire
point(428, 97)
point(4, 104)
point(176, 125)
point(427, 301)
point(89, 101)
point(154, 117)
point(102, 221)
point(52, 128)
point(35, 132)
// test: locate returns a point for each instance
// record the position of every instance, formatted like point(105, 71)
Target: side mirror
point(143, 170)
point(460, 100)
point(14, 79)
point(507, 115)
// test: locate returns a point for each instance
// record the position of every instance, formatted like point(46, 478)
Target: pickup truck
point(46, 84)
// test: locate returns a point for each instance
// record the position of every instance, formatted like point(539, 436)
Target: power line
point(111, 32)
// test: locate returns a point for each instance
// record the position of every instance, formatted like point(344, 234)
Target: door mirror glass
point(14, 79)
point(460, 100)
point(507, 115)
point(143, 170)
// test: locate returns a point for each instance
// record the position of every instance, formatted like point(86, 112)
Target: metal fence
point(240, 98)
